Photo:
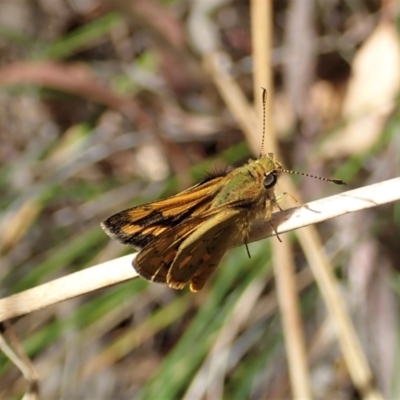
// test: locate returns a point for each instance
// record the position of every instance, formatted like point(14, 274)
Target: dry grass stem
point(120, 269)
point(288, 297)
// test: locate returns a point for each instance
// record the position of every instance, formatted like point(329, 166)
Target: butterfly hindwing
point(155, 260)
point(202, 251)
point(177, 256)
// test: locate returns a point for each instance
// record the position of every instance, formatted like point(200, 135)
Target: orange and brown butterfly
point(183, 238)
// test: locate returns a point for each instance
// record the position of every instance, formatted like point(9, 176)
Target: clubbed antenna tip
point(264, 102)
point(334, 181)
point(338, 182)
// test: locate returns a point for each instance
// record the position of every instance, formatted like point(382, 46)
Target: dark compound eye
point(270, 179)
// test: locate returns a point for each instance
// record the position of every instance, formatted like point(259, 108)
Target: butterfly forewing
point(139, 226)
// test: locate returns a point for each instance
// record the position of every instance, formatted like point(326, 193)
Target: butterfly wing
point(139, 226)
point(201, 253)
point(190, 251)
point(155, 260)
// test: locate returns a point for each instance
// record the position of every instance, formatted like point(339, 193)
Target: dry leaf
point(371, 94)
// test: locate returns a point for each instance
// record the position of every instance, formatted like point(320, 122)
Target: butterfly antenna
point(335, 181)
point(264, 102)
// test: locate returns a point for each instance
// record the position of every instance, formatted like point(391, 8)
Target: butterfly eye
point(270, 179)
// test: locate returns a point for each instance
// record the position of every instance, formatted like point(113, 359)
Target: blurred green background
point(106, 105)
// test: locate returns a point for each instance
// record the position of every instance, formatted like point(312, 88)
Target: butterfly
point(183, 238)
